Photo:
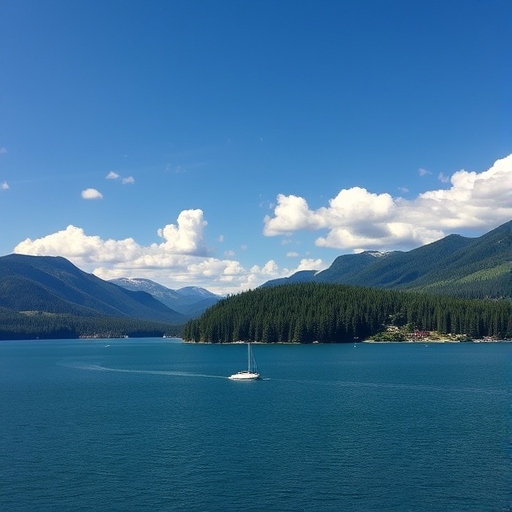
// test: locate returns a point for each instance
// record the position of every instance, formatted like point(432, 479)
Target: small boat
point(252, 372)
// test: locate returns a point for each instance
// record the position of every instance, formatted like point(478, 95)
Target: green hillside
point(48, 297)
point(455, 265)
point(482, 269)
point(307, 312)
point(55, 285)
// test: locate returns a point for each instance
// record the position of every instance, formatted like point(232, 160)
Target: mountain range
point(455, 265)
point(54, 285)
point(189, 301)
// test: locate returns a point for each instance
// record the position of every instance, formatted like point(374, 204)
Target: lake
point(155, 424)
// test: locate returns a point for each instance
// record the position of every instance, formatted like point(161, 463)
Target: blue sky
point(224, 143)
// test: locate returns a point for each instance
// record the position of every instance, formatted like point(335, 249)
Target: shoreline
point(423, 341)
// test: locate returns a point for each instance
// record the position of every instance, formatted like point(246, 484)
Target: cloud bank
point(181, 259)
point(357, 219)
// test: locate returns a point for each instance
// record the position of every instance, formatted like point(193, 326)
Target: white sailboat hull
point(245, 376)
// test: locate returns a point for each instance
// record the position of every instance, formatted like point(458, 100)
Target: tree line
point(42, 325)
point(331, 313)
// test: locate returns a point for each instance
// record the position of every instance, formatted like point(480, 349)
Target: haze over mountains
point(189, 301)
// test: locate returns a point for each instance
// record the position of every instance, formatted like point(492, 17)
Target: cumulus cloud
point(112, 176)
point(357, 219)
point(91, 193)
point(128, 180)
point(5, 186)
point(180, 259)
point(187, 236)
point(74, 244)
point(292, 213)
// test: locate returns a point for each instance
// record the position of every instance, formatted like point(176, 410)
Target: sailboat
point(252, 372)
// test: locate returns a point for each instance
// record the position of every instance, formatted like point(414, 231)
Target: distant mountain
point(190, 301)
point(55, 285)
point(455, 265)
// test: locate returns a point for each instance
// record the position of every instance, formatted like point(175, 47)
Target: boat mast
point(248, 357)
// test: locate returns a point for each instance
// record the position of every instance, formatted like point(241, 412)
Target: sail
point(252, 371)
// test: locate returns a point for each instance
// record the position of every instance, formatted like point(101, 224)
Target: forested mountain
point(15, 325)
point(190, 301)
point(455, 265)
point(308, 312)
point(55, 285)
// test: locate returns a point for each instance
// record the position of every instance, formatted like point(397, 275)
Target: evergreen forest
point(31, 325)
point(333, 313)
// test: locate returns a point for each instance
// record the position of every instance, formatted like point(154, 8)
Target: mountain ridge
point(454, 265)
point(189, 301)
point(53, 284)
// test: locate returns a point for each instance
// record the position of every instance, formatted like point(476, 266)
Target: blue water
point(135, 425)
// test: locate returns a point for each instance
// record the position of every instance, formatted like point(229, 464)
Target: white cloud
point(358, 219)
point(115, 176)
point(83, 249)
point(423, 172)
point(187, 236)
point(355, 219)
point(355, 205)
point(292, 254)
point(443, 179)
point(179, 260)
point(91, 193)
point(310, 264)
point(292, 213)
point(5, 186)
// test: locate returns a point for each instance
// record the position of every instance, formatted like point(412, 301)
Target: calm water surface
point(134, 425)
